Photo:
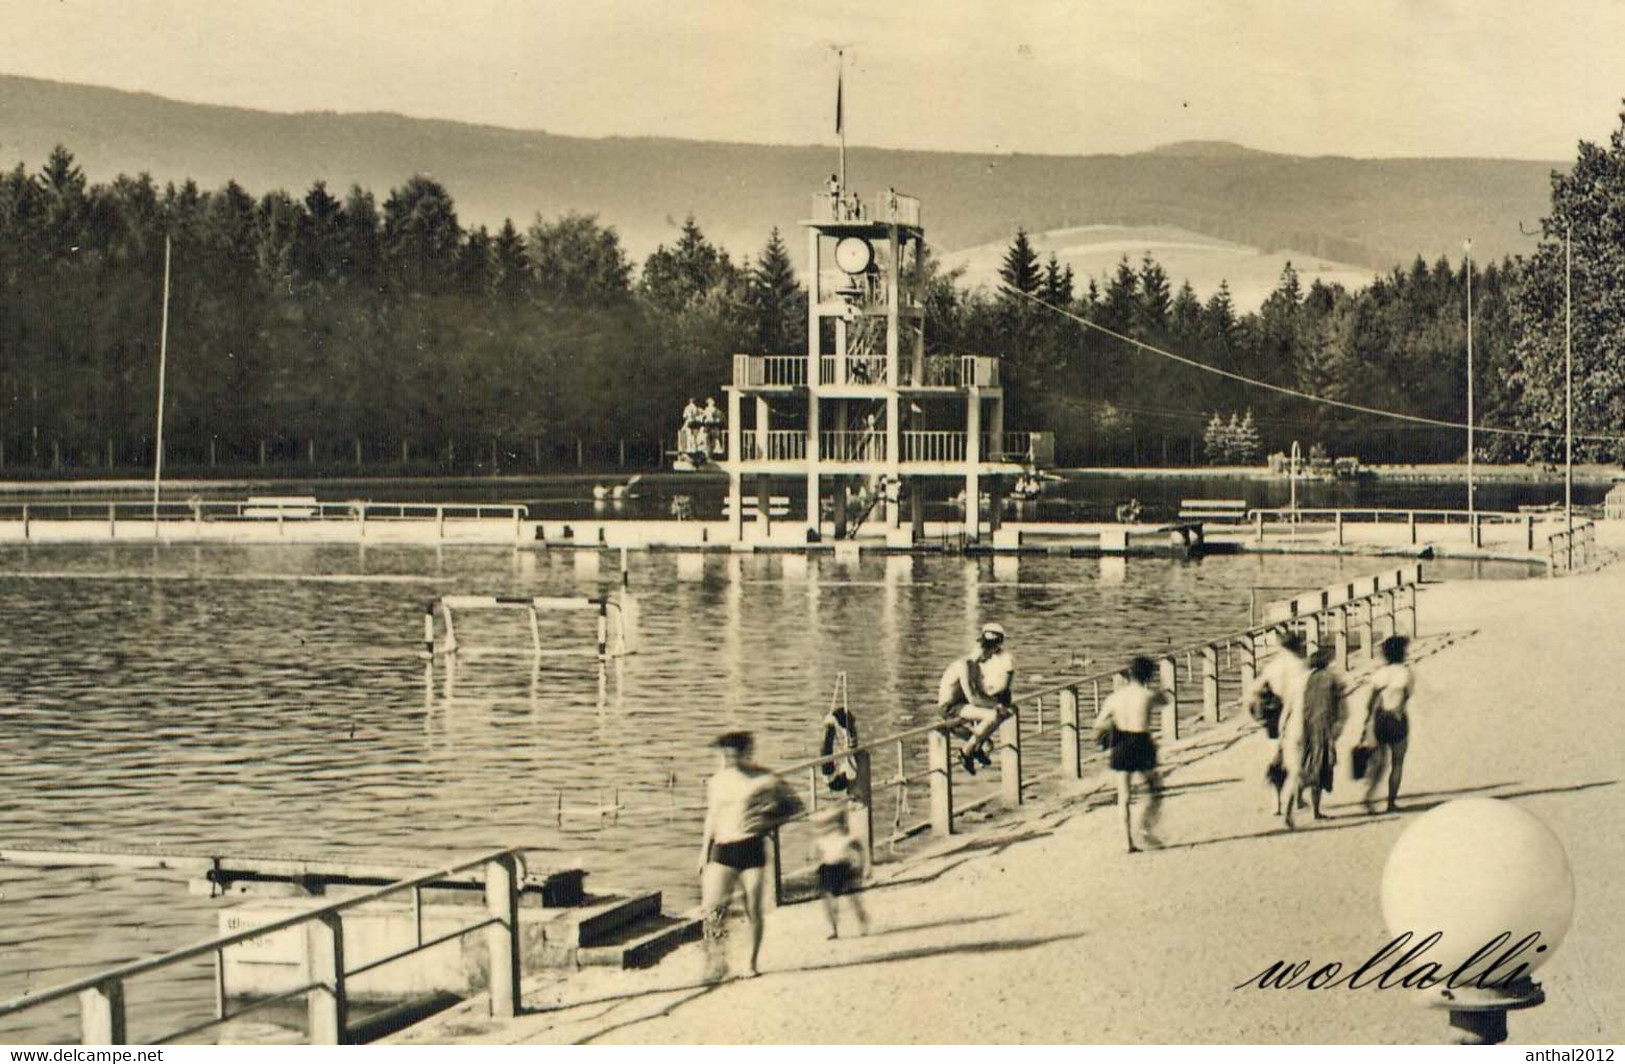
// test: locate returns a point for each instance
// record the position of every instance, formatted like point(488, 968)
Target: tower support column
point(736, 495)
point(973, 465)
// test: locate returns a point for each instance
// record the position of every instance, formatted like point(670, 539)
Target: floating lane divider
point(447, 606)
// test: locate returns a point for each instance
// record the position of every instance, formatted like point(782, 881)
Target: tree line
point(343, 330)
point(340, 330)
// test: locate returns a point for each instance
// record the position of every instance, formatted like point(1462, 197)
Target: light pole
point(1472, 507)
point(163, 365)
point(1568, 385)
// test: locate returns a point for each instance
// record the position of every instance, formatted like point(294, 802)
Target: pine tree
point(1249, 447)
point(1057, 288)
point(1020, 270)
point(1216, 442)
point(777, 300)
point(1152, 307)
point(510, 267)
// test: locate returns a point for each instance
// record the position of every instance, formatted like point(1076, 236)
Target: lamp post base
point(1478, 1016)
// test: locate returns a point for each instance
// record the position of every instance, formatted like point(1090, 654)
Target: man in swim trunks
point(975, 692)
point(731, 855)
point(1388, 728)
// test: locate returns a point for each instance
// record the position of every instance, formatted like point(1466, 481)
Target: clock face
point(853, 254)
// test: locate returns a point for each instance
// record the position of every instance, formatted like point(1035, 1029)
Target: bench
point(1219, 511)
point(280, 506)
point(777, 506)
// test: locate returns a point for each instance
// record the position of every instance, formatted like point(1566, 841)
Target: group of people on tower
point(702, 428)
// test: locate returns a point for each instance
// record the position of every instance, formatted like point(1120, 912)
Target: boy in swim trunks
point(840, 860)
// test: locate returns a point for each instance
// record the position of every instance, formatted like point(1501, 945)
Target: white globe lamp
point(1493, 882)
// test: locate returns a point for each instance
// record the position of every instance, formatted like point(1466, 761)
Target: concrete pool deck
point(1038, 928)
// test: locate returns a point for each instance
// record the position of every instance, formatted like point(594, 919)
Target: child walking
point(840, 866)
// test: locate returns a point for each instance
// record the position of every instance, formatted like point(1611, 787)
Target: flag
point(838, 102)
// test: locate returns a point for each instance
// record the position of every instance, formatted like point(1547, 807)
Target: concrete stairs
point(620, 931)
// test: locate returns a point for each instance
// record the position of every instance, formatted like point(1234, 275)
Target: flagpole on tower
point(840, 125)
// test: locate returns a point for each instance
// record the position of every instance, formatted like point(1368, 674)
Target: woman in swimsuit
point(1388, 726)
point(730, 855)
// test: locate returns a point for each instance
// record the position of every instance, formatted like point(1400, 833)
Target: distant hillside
point(1366, 212)
point(1095, 250)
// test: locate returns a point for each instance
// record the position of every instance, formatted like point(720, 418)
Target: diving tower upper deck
point(842, 212)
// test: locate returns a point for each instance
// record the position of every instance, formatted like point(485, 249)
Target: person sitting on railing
point(690, 438)
point(1123, 726)
point(974, 692)
point(711, 424)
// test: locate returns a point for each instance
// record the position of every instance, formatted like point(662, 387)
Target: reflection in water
point(237, 712)
point(1113, 571)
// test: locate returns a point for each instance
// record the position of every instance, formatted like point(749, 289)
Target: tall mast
point(163, 365)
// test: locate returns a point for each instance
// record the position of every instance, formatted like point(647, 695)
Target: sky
point(1362, 78)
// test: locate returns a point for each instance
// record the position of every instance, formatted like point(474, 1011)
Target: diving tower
point(866, 417)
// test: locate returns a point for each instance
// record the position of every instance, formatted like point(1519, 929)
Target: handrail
point(266, 509)
point(1482, 515)
point(1069, 683)
point(216, 945)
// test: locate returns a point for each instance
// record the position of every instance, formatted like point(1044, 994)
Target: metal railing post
point(25, 520)
point(1340, 637)
point(1210, 684)
point(1258, 526)
point(940, 767)
point(1411, 595)
point(327, 1002)
point(502, 938)
point(860, 812)
point(112, 520)
point(1368, 627)
point(1170, 712)
point(1410, 521)
point(1249, 662)
point(1071, 754)
point(1010, 760)
point(1340, 528)
point(101, 1014)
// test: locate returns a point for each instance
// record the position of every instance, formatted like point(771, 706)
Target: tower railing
point(861, 446)
point(783, 445)
point(859, 369)
point(769, 371)
point(847, 206)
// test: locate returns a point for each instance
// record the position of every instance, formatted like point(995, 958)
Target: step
point(643, 944)
point(598, 919)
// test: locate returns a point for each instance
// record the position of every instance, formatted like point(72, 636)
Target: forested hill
point(1372, 212)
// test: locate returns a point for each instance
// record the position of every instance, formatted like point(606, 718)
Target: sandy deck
point(1038, 928)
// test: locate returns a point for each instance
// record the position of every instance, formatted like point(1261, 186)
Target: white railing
point(952, 371)
point(931, 446)
point(283, 509)
point(847, 206)
point(857, 369)
point(862, 446)
point(102, 1000)
point(783, 445)
point(770, 371)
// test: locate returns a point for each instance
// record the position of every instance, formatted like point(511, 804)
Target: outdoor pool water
point(273, 699)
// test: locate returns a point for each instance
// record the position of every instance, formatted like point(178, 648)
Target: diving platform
point(867, 415)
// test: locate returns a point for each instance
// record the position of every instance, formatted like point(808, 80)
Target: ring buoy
point(840, 734)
